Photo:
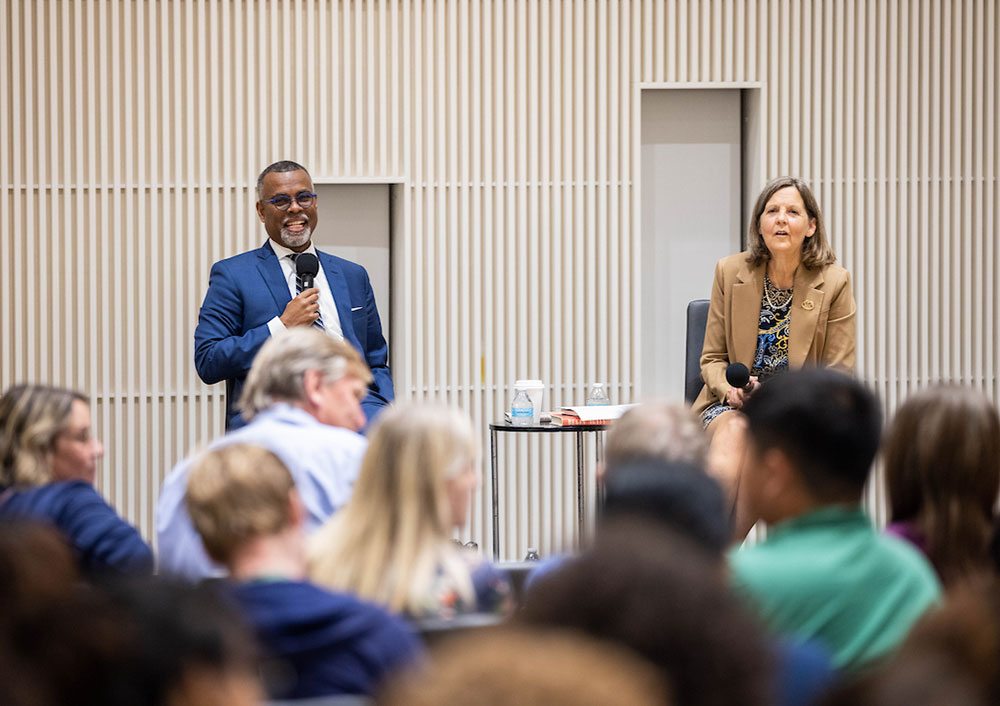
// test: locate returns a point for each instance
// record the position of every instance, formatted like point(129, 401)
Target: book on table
point(589, 415)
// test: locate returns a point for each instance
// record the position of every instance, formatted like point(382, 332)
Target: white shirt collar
point(281, 251)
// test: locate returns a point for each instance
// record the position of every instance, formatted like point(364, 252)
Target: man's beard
point(295, 239)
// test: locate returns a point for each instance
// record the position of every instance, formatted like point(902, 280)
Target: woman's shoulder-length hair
point(816, 251)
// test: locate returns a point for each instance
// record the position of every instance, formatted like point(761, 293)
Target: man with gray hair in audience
point(656, 430)
point(302, 400)
point(654, 468)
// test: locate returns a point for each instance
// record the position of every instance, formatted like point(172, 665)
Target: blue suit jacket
point(248, 290)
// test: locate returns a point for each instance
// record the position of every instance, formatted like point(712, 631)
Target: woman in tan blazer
point(781, 304)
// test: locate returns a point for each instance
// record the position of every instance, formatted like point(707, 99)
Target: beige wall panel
point(131, 133)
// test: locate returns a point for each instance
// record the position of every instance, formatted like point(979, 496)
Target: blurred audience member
point(48, 462)
point(392, 544)
point(653, 591)
point(244, 504)
point(63, 641)
point(823, 573)
point(521, 668)
point(302, 400)
point(678, 495)
point(942, 469)
point(38, 575)
point(653, 464)
point(949, 658)
point(184, 646)
point(654, 472)
point(660, 430)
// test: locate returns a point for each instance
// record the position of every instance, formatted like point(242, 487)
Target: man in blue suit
point(256, 294)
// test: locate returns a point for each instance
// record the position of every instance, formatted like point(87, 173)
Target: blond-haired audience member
point(48, 462)
point(393, 542)
point(244, 504)
point(302, 400)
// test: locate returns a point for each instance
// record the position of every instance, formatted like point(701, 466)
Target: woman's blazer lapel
point(745, 315)
point(807, 303)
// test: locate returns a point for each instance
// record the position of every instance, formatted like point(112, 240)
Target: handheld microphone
point(738, 375)
point(306, 269)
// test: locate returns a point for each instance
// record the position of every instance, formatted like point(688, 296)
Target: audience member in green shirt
point(824, 573)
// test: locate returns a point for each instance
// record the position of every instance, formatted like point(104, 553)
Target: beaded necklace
point(768, 287)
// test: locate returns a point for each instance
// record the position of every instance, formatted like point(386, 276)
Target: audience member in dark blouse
point(243, 502)
point(48, 461)
point(942, 469)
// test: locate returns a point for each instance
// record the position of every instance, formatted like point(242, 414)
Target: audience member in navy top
point(392, 543)
point(243, 502)
point(48, 461)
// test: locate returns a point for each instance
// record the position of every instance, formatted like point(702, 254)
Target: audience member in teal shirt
point(829, 576)
point(823, 573)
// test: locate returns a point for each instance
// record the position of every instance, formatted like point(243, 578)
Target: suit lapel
point(270, 270)
point(807, 302)
point(341, 296)
point(747, 292)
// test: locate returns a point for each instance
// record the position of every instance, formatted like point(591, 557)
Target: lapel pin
point(808, 305)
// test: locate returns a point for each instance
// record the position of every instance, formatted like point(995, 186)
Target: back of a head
point(660, 430)
point(825, 422)
point(942, 463)
point(950, 656)
point(399, 520)
point(679, 495)
point(511, 667)
point(236, 493)
point(38, 580)
point(413, 450)
point(31, 416)
point(183, 642)
point(118, 642)
point(656, 593)
point(279, 368)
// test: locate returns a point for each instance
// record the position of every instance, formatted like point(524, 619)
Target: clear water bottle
point(598, 395)
point(522, 412)
point(532, 555)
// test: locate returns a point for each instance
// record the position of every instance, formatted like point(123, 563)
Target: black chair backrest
point(697, 317)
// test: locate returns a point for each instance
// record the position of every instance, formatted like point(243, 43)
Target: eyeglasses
point(282, 201)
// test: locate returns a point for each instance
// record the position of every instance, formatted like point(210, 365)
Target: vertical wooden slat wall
point(132, 132)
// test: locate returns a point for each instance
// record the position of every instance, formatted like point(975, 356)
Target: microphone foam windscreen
point(737, 375)
point(307, 264)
